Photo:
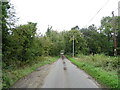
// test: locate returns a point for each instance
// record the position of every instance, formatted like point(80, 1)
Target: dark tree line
point(21, 43)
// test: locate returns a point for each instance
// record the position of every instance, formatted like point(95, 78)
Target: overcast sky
point(63, 14)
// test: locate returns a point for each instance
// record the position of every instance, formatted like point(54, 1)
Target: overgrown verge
point(12, 74)
point(100, 67)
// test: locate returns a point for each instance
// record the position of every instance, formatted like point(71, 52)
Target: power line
point(98, 12)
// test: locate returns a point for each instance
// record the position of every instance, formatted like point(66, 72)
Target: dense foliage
point(21, 44)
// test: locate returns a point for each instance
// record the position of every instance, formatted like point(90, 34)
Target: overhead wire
point(98, 12)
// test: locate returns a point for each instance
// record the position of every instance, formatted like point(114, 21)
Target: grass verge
point(105, 78)
point(10, 76)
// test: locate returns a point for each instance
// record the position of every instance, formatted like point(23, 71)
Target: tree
point(75, 28)
point(23, 41)
point(48, 31)
point(80, 43)
point(118, 34)
point(96, 41)
point(7, 22)
point(106, 29)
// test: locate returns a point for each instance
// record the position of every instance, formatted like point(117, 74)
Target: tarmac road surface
point(72, 77)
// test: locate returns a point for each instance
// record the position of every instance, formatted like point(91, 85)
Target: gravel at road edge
point(34, 79)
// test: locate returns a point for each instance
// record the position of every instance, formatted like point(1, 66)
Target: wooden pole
point(114, 36)
point(119, 8)
point(73, 45)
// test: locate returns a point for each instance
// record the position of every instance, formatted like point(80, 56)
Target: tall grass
point(100, 60)
point(102, 68)
point(15, 72)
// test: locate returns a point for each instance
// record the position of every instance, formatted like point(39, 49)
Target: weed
point(11, 75)
point(101, 67)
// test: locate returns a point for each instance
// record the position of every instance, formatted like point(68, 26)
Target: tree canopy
point(22, 42)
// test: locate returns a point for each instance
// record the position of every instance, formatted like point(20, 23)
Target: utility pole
point(119, 8)
point(73, 45)
point(114, 36)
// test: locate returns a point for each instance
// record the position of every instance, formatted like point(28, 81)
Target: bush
point(100, 60)
point(12, 74)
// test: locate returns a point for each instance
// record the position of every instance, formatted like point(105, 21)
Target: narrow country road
point(72, 77)
point(54, 76)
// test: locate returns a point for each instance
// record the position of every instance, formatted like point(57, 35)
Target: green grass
point(107, 78)
point(10, 76)
point(0, 70)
